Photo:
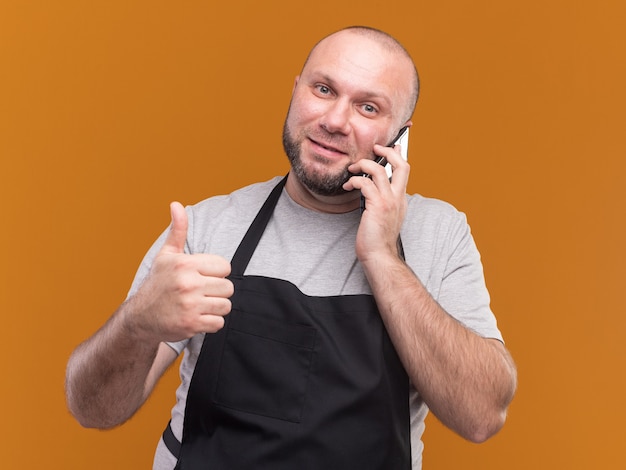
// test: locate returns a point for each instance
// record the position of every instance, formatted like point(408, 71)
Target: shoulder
point(253, 194)
point(242, 203)
point(434, 231)
point(426, 211)
point(218, 223)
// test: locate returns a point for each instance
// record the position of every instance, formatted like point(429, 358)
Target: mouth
point(326, 149)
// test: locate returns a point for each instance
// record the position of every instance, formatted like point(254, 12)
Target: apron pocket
point(265, 366)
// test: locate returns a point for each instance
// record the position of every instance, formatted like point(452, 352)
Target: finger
point(216, 306)
point(211, 265)
point(363, 172)
point(218, 287)
point(210, 324)
point(398, 163)
point(175, 241)
point(400, 168)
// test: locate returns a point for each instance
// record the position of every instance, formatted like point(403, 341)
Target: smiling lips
point(326, 147)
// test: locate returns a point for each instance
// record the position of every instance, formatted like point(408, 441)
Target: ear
point(295, 84)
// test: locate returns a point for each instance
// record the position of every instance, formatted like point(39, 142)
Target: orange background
point(109, 110)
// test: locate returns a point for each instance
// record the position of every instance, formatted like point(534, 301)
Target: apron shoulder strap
point(248, 244)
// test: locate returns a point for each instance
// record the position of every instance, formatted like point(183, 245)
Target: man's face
point(352, 94)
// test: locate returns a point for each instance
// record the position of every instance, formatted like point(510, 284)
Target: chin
point(322, 183)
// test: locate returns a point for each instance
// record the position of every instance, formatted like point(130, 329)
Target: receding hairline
point(388, 42)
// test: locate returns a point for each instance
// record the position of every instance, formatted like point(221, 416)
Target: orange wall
point(109, 110)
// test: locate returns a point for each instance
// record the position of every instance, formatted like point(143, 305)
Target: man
point(332, 329)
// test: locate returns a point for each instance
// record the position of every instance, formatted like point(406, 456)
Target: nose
point(336, 119)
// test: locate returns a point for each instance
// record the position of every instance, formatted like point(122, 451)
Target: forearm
point(466, 380)
point(106, 375)
point(111, 374)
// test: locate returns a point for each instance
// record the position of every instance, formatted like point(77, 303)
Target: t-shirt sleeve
point(463, 292)
point(442, 252)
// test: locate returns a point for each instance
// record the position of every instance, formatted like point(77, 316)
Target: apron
point(294, 382)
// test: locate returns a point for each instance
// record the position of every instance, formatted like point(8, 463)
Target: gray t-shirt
point(315, 251)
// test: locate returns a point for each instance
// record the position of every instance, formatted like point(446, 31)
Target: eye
point(369, 109)
point(323, 89)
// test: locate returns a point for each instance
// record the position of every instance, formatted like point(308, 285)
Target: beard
point(320, 183)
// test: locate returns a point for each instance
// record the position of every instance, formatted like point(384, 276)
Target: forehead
point(362, 63)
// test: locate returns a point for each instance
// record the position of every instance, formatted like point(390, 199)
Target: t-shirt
point(315, 251)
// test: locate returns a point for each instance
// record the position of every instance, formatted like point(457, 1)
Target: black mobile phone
point(401, 138)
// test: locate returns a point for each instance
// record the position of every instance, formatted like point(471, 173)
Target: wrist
point(382, 264)
point(133, 325)
point(389, 251)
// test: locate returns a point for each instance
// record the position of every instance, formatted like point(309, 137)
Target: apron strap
point(248, 244)
point(170, 440)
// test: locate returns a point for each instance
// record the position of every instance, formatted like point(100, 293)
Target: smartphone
point(402, 139)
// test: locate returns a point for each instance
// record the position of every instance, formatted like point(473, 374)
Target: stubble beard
point(323, 184)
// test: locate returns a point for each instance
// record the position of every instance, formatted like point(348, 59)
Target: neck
point(329, 204)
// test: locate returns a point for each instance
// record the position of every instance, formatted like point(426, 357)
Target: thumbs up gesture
point(184, 294)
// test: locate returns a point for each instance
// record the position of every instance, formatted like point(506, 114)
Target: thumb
point(175, 241)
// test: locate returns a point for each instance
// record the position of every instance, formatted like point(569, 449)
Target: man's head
point(357, 88)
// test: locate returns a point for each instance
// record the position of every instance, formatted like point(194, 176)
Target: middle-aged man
point(317, 332)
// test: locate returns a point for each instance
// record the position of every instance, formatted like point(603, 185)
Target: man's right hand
point(184, 294)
